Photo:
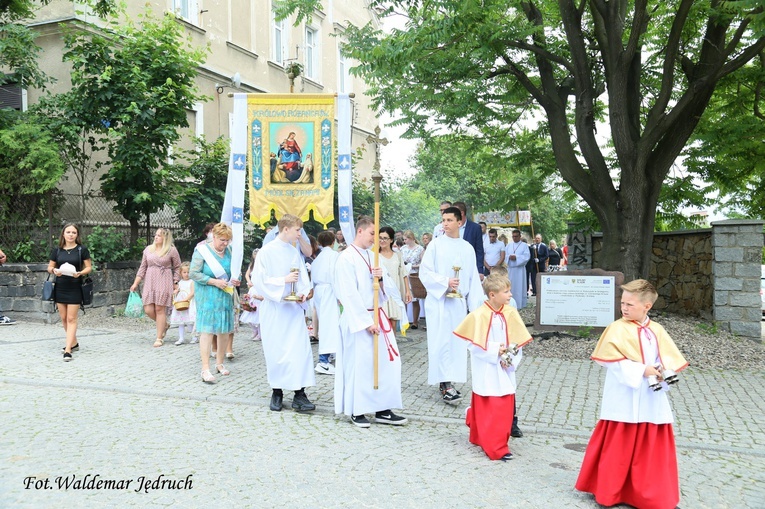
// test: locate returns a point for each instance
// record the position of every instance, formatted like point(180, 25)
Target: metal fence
point(33, 226)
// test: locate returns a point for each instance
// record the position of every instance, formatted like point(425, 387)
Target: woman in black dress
point(68, 293)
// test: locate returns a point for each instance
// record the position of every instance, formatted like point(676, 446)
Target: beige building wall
point(244, 41)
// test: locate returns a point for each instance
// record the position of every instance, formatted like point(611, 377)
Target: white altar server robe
point(286, 346)
point(354, 388)
point(447, 354)
point(325, 301)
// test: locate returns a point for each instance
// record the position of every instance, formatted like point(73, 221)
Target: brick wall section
point(21, 290)
point(738, 254)
point(681, 269)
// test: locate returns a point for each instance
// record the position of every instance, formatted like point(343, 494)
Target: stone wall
point(21, 290)
point(681, 269)
point(738, 254)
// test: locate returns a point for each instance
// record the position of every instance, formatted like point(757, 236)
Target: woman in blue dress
point(214, 293)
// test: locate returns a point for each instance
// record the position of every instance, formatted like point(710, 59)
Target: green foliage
point(108, 245)
point(200, 198)
point(28, 251)
point(621, 87)
point(131, 89)
point(470, 170)
point(709, 330)
point(584, 332)
point(30, 169)
point(730, 155)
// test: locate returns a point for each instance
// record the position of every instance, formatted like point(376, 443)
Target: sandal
point(207, 377)
point(167, 328)
point(159, 342)
point(220, 368)
point(229, 355)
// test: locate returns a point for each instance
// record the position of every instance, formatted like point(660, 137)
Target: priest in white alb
point(447, 354)
point(286, 346)
point(355, 394)
point(517, 254)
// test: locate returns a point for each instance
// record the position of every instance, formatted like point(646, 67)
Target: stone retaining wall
point(713, 273)
point(21, 290)
point(681, 270)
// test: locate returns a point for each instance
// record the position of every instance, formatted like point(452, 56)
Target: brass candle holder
point(455, 294)
point(293, 297)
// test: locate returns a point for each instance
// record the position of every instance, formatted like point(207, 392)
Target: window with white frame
point(187, 9)
point(312, 52)
point(343, 75)
point(279, 43)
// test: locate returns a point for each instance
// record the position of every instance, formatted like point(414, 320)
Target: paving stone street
point(125, 411)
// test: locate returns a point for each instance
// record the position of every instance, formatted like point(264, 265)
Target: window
point(312, 53)
point(13, 96)
point(187, 9)
point(279, 43)
point(343, 75)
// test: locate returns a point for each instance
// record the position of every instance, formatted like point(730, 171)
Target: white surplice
point(489, 378)
point(354, 387)
point(286, 346)
point(516, 270)
point(325, 301)
point(447, 354)
point(626, 394)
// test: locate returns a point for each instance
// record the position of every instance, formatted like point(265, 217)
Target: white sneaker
point(325, 369)
point(180, 342)
point(194, 340)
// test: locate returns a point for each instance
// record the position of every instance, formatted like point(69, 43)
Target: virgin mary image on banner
point(291, 156)
point(288, 162)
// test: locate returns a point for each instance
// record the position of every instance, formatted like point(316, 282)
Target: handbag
point(87, 291)
point(49, 289)
point(87, 284)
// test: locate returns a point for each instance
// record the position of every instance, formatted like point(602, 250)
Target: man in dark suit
point(471, 232)
point(538, 261)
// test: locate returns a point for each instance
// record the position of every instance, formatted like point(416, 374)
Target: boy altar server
point(286, 346)
point(490, 331)
point(355, 394)
point(631, 456)
point(447, 354)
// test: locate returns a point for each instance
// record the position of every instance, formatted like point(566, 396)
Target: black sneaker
point(301, 403)
point(451, 397)
point(360, 420)
point(74, 348)
point(388, 417)
point(507, 457)
point(67, 357)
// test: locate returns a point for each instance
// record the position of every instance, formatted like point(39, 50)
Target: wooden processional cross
point(376, 178)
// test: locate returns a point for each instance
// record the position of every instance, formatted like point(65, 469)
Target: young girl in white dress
point(251, 302)
point(184, 319)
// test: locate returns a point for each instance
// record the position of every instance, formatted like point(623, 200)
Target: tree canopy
point(131, 89)
point(620, 86)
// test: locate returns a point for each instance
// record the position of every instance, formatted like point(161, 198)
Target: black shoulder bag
point(87, 284)
point(49, 287)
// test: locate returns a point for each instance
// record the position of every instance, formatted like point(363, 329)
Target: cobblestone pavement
point(123, 410)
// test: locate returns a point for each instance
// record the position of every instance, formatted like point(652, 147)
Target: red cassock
point(490, 419)
point(631, 463)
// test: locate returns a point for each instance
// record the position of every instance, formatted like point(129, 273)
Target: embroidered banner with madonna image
point(291, 156)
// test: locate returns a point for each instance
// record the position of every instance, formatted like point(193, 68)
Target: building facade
point(250, 52)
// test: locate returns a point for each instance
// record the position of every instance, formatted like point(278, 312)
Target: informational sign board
point(574, 299)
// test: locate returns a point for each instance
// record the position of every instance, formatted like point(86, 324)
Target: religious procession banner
point(497, 218)
point(291, 156)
